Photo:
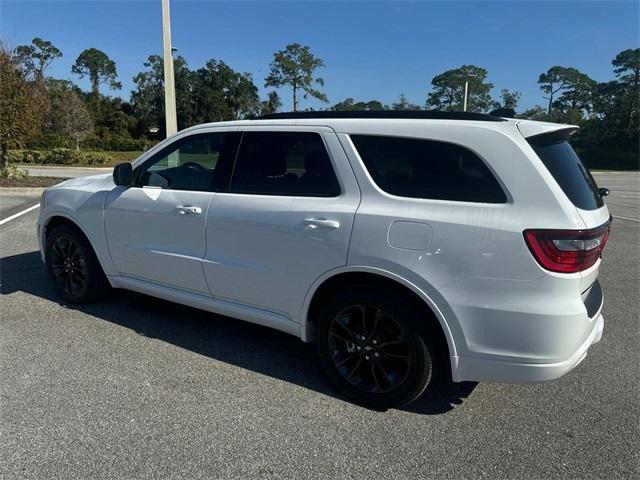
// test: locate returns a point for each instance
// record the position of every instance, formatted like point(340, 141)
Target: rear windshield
point(567, 169)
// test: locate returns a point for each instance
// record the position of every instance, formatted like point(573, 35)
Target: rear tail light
point(567, 251)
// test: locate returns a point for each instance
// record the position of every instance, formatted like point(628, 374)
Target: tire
point(373, 347)
point(73, 266)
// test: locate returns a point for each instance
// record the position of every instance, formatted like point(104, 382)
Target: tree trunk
point(4, 155)
point(295, 98)
point(77, 145)
point(95, 85)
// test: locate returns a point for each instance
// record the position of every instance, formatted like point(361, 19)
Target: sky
point(372, 50)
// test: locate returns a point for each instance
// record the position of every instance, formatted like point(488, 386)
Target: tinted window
point(427, 169)
point(567, 169)
point(284, 163)
point(192, 163)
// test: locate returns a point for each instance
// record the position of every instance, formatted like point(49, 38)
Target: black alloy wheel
point(369, 348)
point(374, 347)
point(68, 265)
point(73, 265)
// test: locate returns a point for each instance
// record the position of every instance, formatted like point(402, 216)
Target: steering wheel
point(193, 165)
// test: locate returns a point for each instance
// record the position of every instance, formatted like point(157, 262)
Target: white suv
point(403, 243)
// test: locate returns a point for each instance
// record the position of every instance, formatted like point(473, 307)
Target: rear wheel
point(373, 349)
point(73, 265)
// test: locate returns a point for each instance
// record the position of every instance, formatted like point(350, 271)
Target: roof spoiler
point(504, 113)
point(545, 133)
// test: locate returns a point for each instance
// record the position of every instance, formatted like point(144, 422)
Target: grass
point(119, 157)
point(31, 181)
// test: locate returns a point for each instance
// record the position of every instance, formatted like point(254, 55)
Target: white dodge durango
point(404, 244)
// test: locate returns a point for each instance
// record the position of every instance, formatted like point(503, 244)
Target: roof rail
point(385, 114)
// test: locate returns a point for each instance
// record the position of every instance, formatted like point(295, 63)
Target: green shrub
point(63, 156)
point(14, 156)
point(119, 143)
point(114, 143)
point(96, 158)
point(59, 156)
point(26, 156)
point(47, 141)
point(609, 159)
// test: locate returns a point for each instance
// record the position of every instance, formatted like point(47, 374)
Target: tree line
point(42, 112)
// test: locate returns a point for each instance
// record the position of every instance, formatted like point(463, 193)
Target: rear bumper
point(491, 370)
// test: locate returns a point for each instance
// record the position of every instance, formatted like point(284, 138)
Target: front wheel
point(372, 347)
point(73, 265)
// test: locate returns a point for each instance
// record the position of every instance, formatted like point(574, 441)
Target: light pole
point(171, 123)
point(466, 92)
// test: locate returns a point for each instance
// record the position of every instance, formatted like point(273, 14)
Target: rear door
point(156, 228)
point(285, 221)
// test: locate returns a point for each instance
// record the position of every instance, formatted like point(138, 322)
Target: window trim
point(164, 151)
point(259, 129)
point(507, 194)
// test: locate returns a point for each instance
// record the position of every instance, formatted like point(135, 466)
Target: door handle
point(322, 223)
point(188, 210)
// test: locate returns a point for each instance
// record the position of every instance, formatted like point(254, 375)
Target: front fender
point(86, 210)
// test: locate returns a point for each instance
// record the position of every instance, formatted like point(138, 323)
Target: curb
point(21, 191)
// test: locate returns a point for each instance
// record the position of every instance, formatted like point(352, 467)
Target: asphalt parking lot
point(133, 387)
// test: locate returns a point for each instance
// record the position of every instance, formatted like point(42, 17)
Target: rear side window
point(416, 168)
point(567, 169)
point(284, 163)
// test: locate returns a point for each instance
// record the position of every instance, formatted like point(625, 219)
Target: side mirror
point(123, 174)
point(604, 191)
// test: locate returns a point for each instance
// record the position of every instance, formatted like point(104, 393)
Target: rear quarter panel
point(471, 243)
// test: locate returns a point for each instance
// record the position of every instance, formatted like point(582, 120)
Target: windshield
point(572, 176)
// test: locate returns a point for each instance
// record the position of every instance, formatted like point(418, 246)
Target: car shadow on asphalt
point(252, 347)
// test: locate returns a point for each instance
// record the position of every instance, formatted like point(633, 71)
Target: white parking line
point(626, 218)
point(16, 215)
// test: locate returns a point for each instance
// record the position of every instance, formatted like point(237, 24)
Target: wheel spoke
point(59, 273)
point(64, 246)
point(78, 270)
point(340, 337)
point(376, 320)
point(392, 343)
point(346, 360)
point(57, 250)
point(351, 333)
point(379, 365)
point(374, 376)
point(353, 370)
point(399, 357)
point(363, 317)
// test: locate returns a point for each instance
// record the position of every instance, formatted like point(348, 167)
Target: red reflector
point(567, 251)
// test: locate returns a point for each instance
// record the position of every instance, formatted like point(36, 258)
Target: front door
point(156, 228)
point(285, 220)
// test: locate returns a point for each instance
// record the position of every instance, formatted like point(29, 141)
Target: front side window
point(284, 163)
point(191, 163)
point(415, 168)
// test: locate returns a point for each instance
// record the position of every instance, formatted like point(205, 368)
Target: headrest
point(269, 161)
point(317, 163)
